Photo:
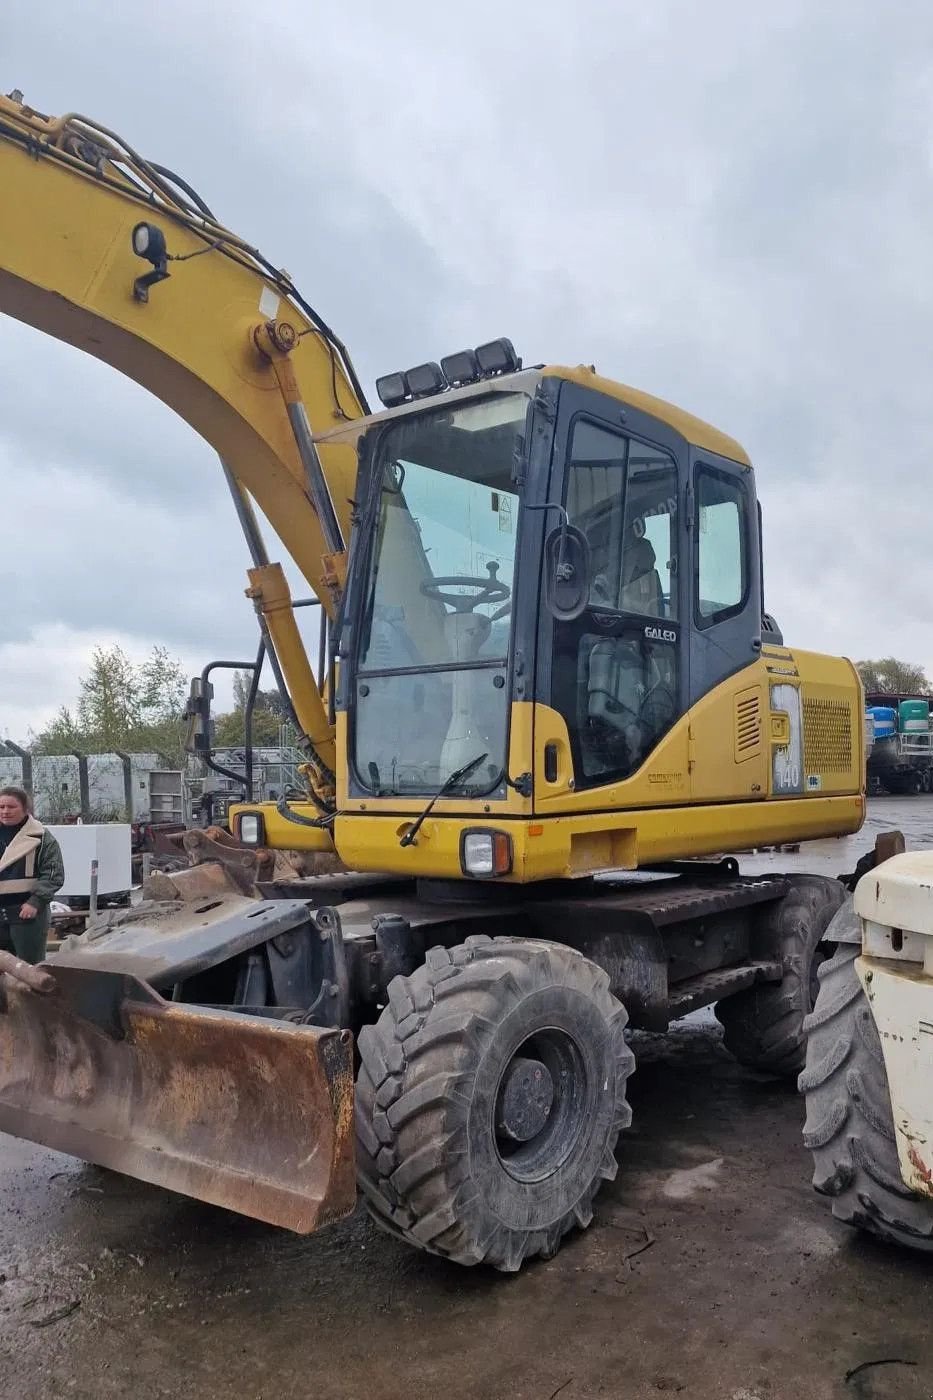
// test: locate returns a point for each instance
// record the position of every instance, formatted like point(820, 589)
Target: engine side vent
point(827, 736)
point(747, 725)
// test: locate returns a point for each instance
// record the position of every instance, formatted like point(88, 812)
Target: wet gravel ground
point(711, 1269)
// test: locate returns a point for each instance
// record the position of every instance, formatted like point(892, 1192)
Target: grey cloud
point(727, 205)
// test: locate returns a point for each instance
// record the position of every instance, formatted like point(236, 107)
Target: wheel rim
point(540, 1109)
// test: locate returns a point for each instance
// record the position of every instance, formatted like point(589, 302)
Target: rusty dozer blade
point(248, 1113)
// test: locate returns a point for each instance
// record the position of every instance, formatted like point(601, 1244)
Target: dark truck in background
point(900, 757)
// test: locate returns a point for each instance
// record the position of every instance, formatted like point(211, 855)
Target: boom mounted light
point(149, 242)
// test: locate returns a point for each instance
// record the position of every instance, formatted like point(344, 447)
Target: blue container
point(885, 718)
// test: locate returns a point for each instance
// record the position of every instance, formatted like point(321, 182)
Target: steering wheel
point(489, 590)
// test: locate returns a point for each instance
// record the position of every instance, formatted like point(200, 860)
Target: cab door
point(617, 674)
point(728, 692)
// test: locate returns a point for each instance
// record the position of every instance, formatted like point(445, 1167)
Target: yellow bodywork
point(694, 430)
point(223, 341)
point(708, 787)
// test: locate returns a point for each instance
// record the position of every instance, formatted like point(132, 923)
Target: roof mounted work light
point(392, 389)
point(425, 379)
point(461, 368)
point(497, 357)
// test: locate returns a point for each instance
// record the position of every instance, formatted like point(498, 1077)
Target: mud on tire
point(446, 1159)
point(763, 1027)
point(849, 1127)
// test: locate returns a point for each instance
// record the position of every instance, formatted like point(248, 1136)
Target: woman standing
point(31, 871)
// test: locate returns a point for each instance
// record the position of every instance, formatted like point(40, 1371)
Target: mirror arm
point(564, 570)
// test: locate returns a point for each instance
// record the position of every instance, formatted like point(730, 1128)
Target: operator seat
point(621, 673)
point(641, 586)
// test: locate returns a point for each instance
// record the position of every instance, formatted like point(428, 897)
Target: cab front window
point(430, 687)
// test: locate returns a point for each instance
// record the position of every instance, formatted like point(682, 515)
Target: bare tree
point(892, 677)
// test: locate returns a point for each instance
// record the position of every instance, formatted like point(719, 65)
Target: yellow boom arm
point(207, 325)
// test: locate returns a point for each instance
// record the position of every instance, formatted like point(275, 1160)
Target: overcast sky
point(727, 204)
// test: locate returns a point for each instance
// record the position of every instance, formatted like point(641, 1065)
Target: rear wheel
point(849, 1127)
point(490, 1096)
point(763, 1027)
point(907, 784)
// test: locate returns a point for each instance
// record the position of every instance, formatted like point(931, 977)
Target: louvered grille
point(748, 723)
point(827, 735)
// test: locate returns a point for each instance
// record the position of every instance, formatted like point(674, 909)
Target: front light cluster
point(250, 828)
point(485, 854)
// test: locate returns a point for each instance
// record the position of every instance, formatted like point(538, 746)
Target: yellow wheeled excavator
point(552, 700)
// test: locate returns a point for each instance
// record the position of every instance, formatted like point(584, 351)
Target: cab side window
point(615, 669)
point(722, 572)
point(622, 494)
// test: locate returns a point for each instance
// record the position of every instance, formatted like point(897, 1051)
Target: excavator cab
point(450, 592)
point(554, 585)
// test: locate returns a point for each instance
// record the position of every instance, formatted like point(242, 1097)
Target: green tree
point(268, 716)
point(61, 735)
point(109, 699)
point(892, 677)
point(123, 706)
point(163, 686)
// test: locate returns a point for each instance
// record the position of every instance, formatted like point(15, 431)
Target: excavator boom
point(68, 267)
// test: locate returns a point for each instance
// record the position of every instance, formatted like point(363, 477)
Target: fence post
point(92, 903)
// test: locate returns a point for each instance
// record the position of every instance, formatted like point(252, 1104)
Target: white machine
point(109, 844)
point(868, 1079)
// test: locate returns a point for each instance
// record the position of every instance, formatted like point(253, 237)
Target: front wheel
point(490, 1096)
point(850, 1127)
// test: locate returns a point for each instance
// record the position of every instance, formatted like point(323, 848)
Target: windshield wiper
point(455, 779)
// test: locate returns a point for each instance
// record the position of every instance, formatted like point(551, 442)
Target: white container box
point(109, 844)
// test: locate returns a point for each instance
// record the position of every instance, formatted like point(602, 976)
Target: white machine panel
point(107, 843)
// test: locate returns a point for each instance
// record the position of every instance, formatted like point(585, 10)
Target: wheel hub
point(526, 1097)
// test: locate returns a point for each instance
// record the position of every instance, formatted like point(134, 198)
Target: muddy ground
point(711, 1270)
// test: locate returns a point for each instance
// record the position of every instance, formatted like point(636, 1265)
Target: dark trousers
point(26, 937)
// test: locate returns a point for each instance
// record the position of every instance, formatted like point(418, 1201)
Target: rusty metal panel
point(164, 943)
point(247, 1113)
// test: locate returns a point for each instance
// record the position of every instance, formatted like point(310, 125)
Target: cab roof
point(694, 430)
point(697, 432)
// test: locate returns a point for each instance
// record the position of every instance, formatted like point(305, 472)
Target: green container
point(913, 717)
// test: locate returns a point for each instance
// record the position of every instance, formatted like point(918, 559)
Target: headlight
point(484, 854)
point(249, 828)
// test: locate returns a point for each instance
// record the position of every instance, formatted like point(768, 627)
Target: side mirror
point(198, 717)
point(566, 572)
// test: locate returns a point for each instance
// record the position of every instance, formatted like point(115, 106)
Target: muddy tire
point(849, 1127)
point(490, 1096)
point(763, 1027)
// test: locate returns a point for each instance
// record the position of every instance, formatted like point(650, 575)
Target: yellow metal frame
point(570, 847)
point(707, 788)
